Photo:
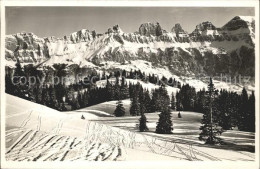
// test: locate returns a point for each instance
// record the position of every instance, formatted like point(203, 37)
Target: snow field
point(51, 135)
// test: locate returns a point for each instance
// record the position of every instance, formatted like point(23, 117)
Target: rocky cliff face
point(148, 29)
point(208, 49)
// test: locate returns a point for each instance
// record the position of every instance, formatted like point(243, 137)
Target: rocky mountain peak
point(82, 35)
point(239, 22)
point(151, 42)
point(117, 29)
point(177, 28)
point(148, 29)
point(114, 29)
point(205, 26)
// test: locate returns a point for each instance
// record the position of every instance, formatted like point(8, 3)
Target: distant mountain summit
point(229, 49)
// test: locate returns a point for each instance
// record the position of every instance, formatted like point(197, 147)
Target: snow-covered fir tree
point(173, 104)
point(164, 125)
point(124, 91)
point(147, 101)
point(179, 115)
point(251, 113)
point(142, 123)
point(120, 110)
point(135, 105)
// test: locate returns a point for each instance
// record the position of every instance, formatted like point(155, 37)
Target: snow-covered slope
point(37, 133)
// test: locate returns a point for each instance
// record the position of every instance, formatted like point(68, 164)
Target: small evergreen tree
point(142, 123)
point(147, 101)
point(120, 110)
point(116, 87)
point(234, 108)
point(154, 101)
point(63, 107)
point(243, 111)
point(85, 99)
point(52, 94)
point(124, 92)
point(222, 102)
point(164, 125)
point(80, 99)
point(75, 104)
point(9, 86)
point(135, 105)
point(82, 117)
point(141, 100)
point(173, 104)
point(251, 113)
point(19, 81)
point(160, 99)
point(179, 115)
point(110, 91)
point(200, 101)
point(178, 101)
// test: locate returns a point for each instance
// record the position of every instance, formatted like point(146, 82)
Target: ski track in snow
point(99, 143)
point(32, 146)
point(92, 141)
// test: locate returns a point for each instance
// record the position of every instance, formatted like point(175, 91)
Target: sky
point(60, 21)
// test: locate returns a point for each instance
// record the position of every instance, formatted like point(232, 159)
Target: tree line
point(229, 108)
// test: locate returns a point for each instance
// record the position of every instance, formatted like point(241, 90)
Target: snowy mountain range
point(208, 50)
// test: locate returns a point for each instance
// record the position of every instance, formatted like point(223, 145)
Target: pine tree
point(75, 104)
point(80, 99)
point(243, 111)
point(179, 115)
point(251, 113)
point(48, 99)
point(147, 101)
point(160, 99)
point(44, 96)
point(173, 104)
point(9, 86)
point(63, 107)
point(234, 108)
point(70, 93)
point(38, 93)
point(164, 125)
point(135, 105)
point(124, 92)
point(85, 99)
point(164, 97)
point(60, 91)
point(142, 123)
point(179, 85)
point(117, 94)
point(209, 129)
point(131, 90)
point(120, 110)
point(110, 91)
point(52, 101)
point(222, 103)
point(32, 93)
point(123, 74)
point(200, 101)
point(187, 96)
point(18, 69)
point(18, 81)
point(154, 101)
point(141, 100)
point(178, 101)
